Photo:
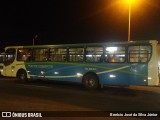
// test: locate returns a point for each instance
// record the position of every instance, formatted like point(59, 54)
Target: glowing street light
point(129, 2)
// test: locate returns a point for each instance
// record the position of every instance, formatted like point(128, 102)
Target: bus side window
point(139, 54)
point(94, 54)
point(41, 54)
point(115, 54)
point(58, 54)
point(24, 54)
point(76, 54)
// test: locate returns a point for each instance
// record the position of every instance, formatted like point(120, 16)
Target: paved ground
point(55, 96)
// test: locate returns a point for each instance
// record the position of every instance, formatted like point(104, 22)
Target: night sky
point(76, 21)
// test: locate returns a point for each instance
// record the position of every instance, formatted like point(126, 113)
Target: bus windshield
point(9, 56)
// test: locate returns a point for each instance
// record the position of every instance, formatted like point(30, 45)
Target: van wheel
point(22, 75)
point(90, 81)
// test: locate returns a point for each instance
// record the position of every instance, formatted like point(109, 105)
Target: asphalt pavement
point(59, 96)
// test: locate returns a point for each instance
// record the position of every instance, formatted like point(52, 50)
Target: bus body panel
point(12, 70)
point(153, 78)
point(113, 74)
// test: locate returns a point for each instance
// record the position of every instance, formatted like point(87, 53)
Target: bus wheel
point(22, 75)
point(90, 81)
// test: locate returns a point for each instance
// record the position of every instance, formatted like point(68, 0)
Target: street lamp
point(34, 38)
point(129, 4)
point(129, 19)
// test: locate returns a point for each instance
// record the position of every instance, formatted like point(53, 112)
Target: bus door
point(8, 62)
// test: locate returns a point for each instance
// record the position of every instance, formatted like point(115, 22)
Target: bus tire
point(22, 76)
point(90, 81)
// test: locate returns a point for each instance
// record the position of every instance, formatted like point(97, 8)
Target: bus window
point(10, 56)
point(58, 54)
point(40, 54)
point(139, 53)
point(76, 54)
point(2, 57)
point(24, 54)
point(93, 54)
point(115, 54)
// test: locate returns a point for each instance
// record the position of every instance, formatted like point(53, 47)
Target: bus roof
point(86, 44)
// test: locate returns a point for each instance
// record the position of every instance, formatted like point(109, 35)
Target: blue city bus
point(92, 64)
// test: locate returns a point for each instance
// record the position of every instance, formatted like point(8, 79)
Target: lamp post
point(129, 20)
point(33, 41)
point(34, 38)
